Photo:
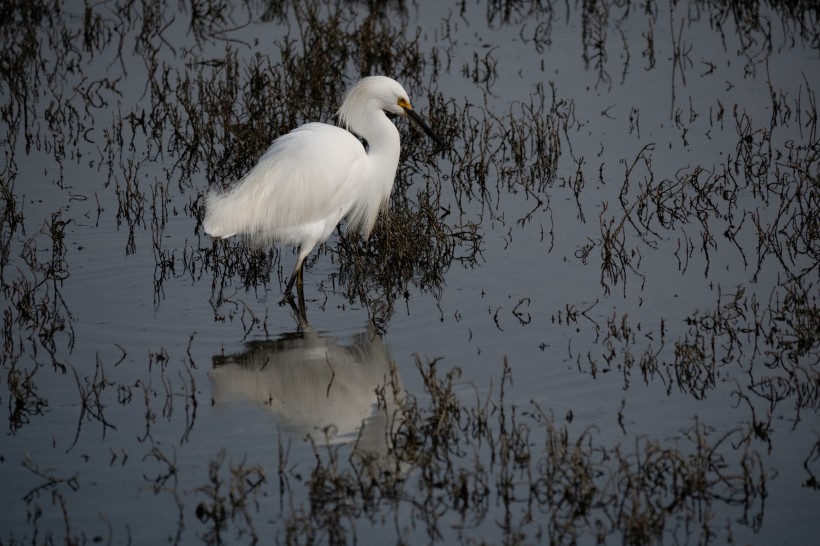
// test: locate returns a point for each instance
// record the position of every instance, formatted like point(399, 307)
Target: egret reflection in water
point(316, 385)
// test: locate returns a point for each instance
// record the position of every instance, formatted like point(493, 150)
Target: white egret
point(312, 177)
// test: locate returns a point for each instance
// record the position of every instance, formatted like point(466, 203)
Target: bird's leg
point(300, 295)
point(298, 312)
point(300, 288)
point(297, 272)
point(296, 277)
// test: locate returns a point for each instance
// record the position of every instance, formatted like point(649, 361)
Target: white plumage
point(312, 177)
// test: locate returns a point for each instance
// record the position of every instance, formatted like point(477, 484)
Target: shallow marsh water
point(593, 318)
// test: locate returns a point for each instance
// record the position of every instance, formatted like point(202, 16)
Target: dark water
point(592, 319)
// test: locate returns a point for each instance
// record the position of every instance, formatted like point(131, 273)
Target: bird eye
point(404, 103)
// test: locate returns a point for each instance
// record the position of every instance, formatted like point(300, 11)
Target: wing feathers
point(306, 177)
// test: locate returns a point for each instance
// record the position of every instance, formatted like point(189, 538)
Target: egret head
point(407, 110)
point(375, 93)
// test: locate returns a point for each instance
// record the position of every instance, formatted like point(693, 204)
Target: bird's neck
point(382, 138)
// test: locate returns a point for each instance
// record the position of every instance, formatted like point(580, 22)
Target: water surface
point(593, 318)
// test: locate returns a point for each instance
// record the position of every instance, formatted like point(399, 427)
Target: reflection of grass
point(778, 344)
point(456, 463)
point(545, 478)
point(36, 316)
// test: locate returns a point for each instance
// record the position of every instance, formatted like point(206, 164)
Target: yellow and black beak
point(410, 113)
